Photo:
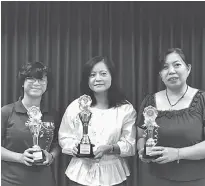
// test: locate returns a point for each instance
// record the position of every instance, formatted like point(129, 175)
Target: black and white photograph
point(102, 93)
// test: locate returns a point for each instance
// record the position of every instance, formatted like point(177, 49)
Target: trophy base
point(150, 157)
point(146, 153)
point(85, 151)
point(85, 155)
point(39, 157)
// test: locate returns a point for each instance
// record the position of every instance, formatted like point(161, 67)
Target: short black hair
point(115, 95)
point(35, 70)
point(178, 51)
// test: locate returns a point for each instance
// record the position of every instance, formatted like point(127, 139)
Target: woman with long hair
point(111, 129)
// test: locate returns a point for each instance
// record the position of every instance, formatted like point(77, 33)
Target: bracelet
point(177, 155)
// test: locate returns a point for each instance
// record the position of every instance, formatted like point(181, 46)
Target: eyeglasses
point(33, 80)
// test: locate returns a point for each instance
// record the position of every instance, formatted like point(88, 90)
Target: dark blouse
point(16, 136)
point(177, 129)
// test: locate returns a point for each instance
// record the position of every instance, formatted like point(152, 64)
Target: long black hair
point(115, 95)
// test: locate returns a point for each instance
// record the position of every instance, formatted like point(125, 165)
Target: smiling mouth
point(98, 85)
point(172, 79)
point(36, 88)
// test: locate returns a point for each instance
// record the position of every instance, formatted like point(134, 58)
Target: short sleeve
point(148, 100)
point(5, 113)
point(203, 108)
point(56, 116)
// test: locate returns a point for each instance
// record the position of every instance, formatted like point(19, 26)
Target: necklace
point(178, 99)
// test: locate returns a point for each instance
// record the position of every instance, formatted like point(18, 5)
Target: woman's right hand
point(27, 157)
point(75, 150)
point(71, 149)
point(140, 153)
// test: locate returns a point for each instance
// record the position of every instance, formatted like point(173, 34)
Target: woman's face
point(175, 71)
point(35, 87)
point(100, 78)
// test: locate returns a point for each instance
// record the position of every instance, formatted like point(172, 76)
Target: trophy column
point(34, 123)
point(38, 153)
point(151, 131)
point(85, 148)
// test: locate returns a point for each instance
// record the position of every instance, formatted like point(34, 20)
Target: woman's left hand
point(167, 154)
point(49, 158)
point(101, 150)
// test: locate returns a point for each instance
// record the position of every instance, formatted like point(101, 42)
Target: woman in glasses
point(26, 123)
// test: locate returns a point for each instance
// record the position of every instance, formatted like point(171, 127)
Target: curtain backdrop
point(64, 35)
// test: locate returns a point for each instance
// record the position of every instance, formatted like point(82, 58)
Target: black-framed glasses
point(33, 80)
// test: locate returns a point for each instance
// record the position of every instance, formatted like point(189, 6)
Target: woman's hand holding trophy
point(150, 134)
point(85, 148)
point(34, 123)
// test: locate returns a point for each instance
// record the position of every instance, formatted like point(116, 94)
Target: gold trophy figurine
point(85, 148)
point(151, 130)
point(34, 123)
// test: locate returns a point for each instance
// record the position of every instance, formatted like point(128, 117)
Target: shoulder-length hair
point(115, 96)
point(34, 70)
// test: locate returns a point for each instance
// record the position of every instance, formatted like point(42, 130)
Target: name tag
point(84, 148)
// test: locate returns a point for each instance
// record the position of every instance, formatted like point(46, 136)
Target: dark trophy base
point(150, 157)
point(85, 151)
point(146, 156)
point(39, 157)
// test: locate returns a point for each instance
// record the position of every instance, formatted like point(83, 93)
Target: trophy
point(85, 148)
point(151, 131)
point(35, 124)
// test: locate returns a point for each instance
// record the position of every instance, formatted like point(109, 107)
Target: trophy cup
point(34, 123)
point(85, 148)
point(151, 131)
